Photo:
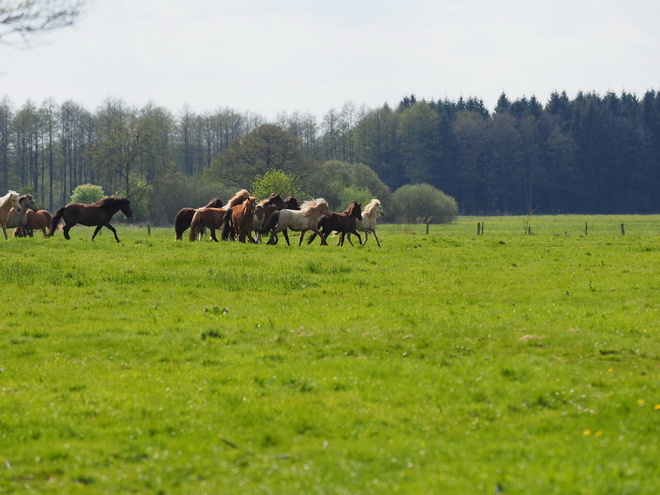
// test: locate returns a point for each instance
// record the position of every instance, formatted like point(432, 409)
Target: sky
point(272, 57)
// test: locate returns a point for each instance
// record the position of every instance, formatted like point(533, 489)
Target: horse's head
point(275, 202)
point(15, 200)
point(291, 203)
point(355, 210)
point(126, 208)
point(323, 208)
point(27, 203)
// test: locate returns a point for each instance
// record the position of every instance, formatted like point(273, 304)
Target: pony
point(340, 222)
point(265, 209)
point(298, 220)
point(368, 223)
point(7, 202)
point(291, 203)
point(16, 218)
point(96, 214)
point(213, 217)
point(184, 217)
point(240, 219)
point(35, 220)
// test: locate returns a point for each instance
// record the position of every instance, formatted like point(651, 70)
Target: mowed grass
point(439, 363)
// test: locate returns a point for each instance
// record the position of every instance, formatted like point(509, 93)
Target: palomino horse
point(185, 216)
point(298, 220)
point(213, 217)
point(7, 202)
point(343, 223)
point(97, 214)
point(368, 223)
point(35, 220)
point(240, 219)
point(16, 218)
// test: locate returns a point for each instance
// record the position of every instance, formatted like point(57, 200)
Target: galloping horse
point(340, 222)
point(240, 219)
point(98, 214)
point(213, 217)
point(35, 220)
point(298, 220)
point(7, 202)
point(184, 217)
point(265, 209)
point(368, 223)
point(16, 218)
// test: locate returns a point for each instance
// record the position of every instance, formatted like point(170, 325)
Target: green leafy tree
point(423, 203)
point(87, 193)
point(265, 148)
point(276, 181)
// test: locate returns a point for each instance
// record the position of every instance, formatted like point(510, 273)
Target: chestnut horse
point(213, 217)
point(240, 219)
point(35, 220)
point(97, 214)
point(7, 202)
point(184, 217)
point(343, 223)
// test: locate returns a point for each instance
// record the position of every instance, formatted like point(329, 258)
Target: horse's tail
point(196, 226)
point(56, 221)
point(270, 222)
point(227, 226)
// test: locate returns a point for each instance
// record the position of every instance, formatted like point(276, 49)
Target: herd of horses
point(242, 219)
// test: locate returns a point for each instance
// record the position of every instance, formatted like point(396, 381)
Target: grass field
point(440, 363)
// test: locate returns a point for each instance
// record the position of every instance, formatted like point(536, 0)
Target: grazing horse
point(240, 219)
point(96, 214)
point(35, 220)
point(184, 217)
point(16, 218)
point(368, 223)
point(7, 202)
point(298, 220)
point(340, 222)
point(213, 217)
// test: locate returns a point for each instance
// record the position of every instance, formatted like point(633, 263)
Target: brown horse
point(184, 217)
point(212, 218)
point(242, 218)
point(35, 220)
point(97, 214)
point(297, 220)
point(343, 223)
point(16, 218)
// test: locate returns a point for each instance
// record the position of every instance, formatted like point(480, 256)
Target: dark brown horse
point(344, 223)
point(184, 217)
point(290, 203)
point(35, 220)
point(213, 217)
point(97, 214)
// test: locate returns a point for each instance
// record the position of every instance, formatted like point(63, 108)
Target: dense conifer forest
point(595, 154)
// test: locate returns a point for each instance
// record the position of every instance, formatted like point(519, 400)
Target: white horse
point(298, 220)
point(18, 218)
point(7, 202)
point(368, 223)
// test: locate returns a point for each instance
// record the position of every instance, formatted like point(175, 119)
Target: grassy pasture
point(440, 363)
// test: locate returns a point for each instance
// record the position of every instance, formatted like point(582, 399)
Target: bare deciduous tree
point(26, 18)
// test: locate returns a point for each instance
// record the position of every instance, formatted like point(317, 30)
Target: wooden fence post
point(623, 229)
point(586, 228)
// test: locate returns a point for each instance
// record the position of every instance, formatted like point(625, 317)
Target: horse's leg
point(355, 232)
point(4, 230)
point(96, 230)
point(318, 232)
point(212, 229)
point(348, 237)
point(113, 231)
point(65, 231)
point(302, 236)
point(375, 237)
point(286, 236)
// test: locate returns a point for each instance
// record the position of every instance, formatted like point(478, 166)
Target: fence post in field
point(529, 230)
point(586, 228)
point(623, 229)
point(427, 229)
point(478, 228)
point(148, 229)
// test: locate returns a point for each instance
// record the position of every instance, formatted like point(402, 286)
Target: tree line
point(589, 154)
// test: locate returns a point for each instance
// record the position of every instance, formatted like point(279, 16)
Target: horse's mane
point(214, 203)
point(372, 204)
point(238, 198)
point(312, 204)
point(110, 201)
point(7, 196)
point(354, 204)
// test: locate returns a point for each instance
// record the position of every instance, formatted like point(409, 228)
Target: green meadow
point(446, 362)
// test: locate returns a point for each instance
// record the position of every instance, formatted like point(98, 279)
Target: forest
point(592, 154)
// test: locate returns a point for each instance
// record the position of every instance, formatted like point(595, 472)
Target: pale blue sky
point(272, 56)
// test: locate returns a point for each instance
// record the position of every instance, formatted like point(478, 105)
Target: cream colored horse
point(7, 202)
